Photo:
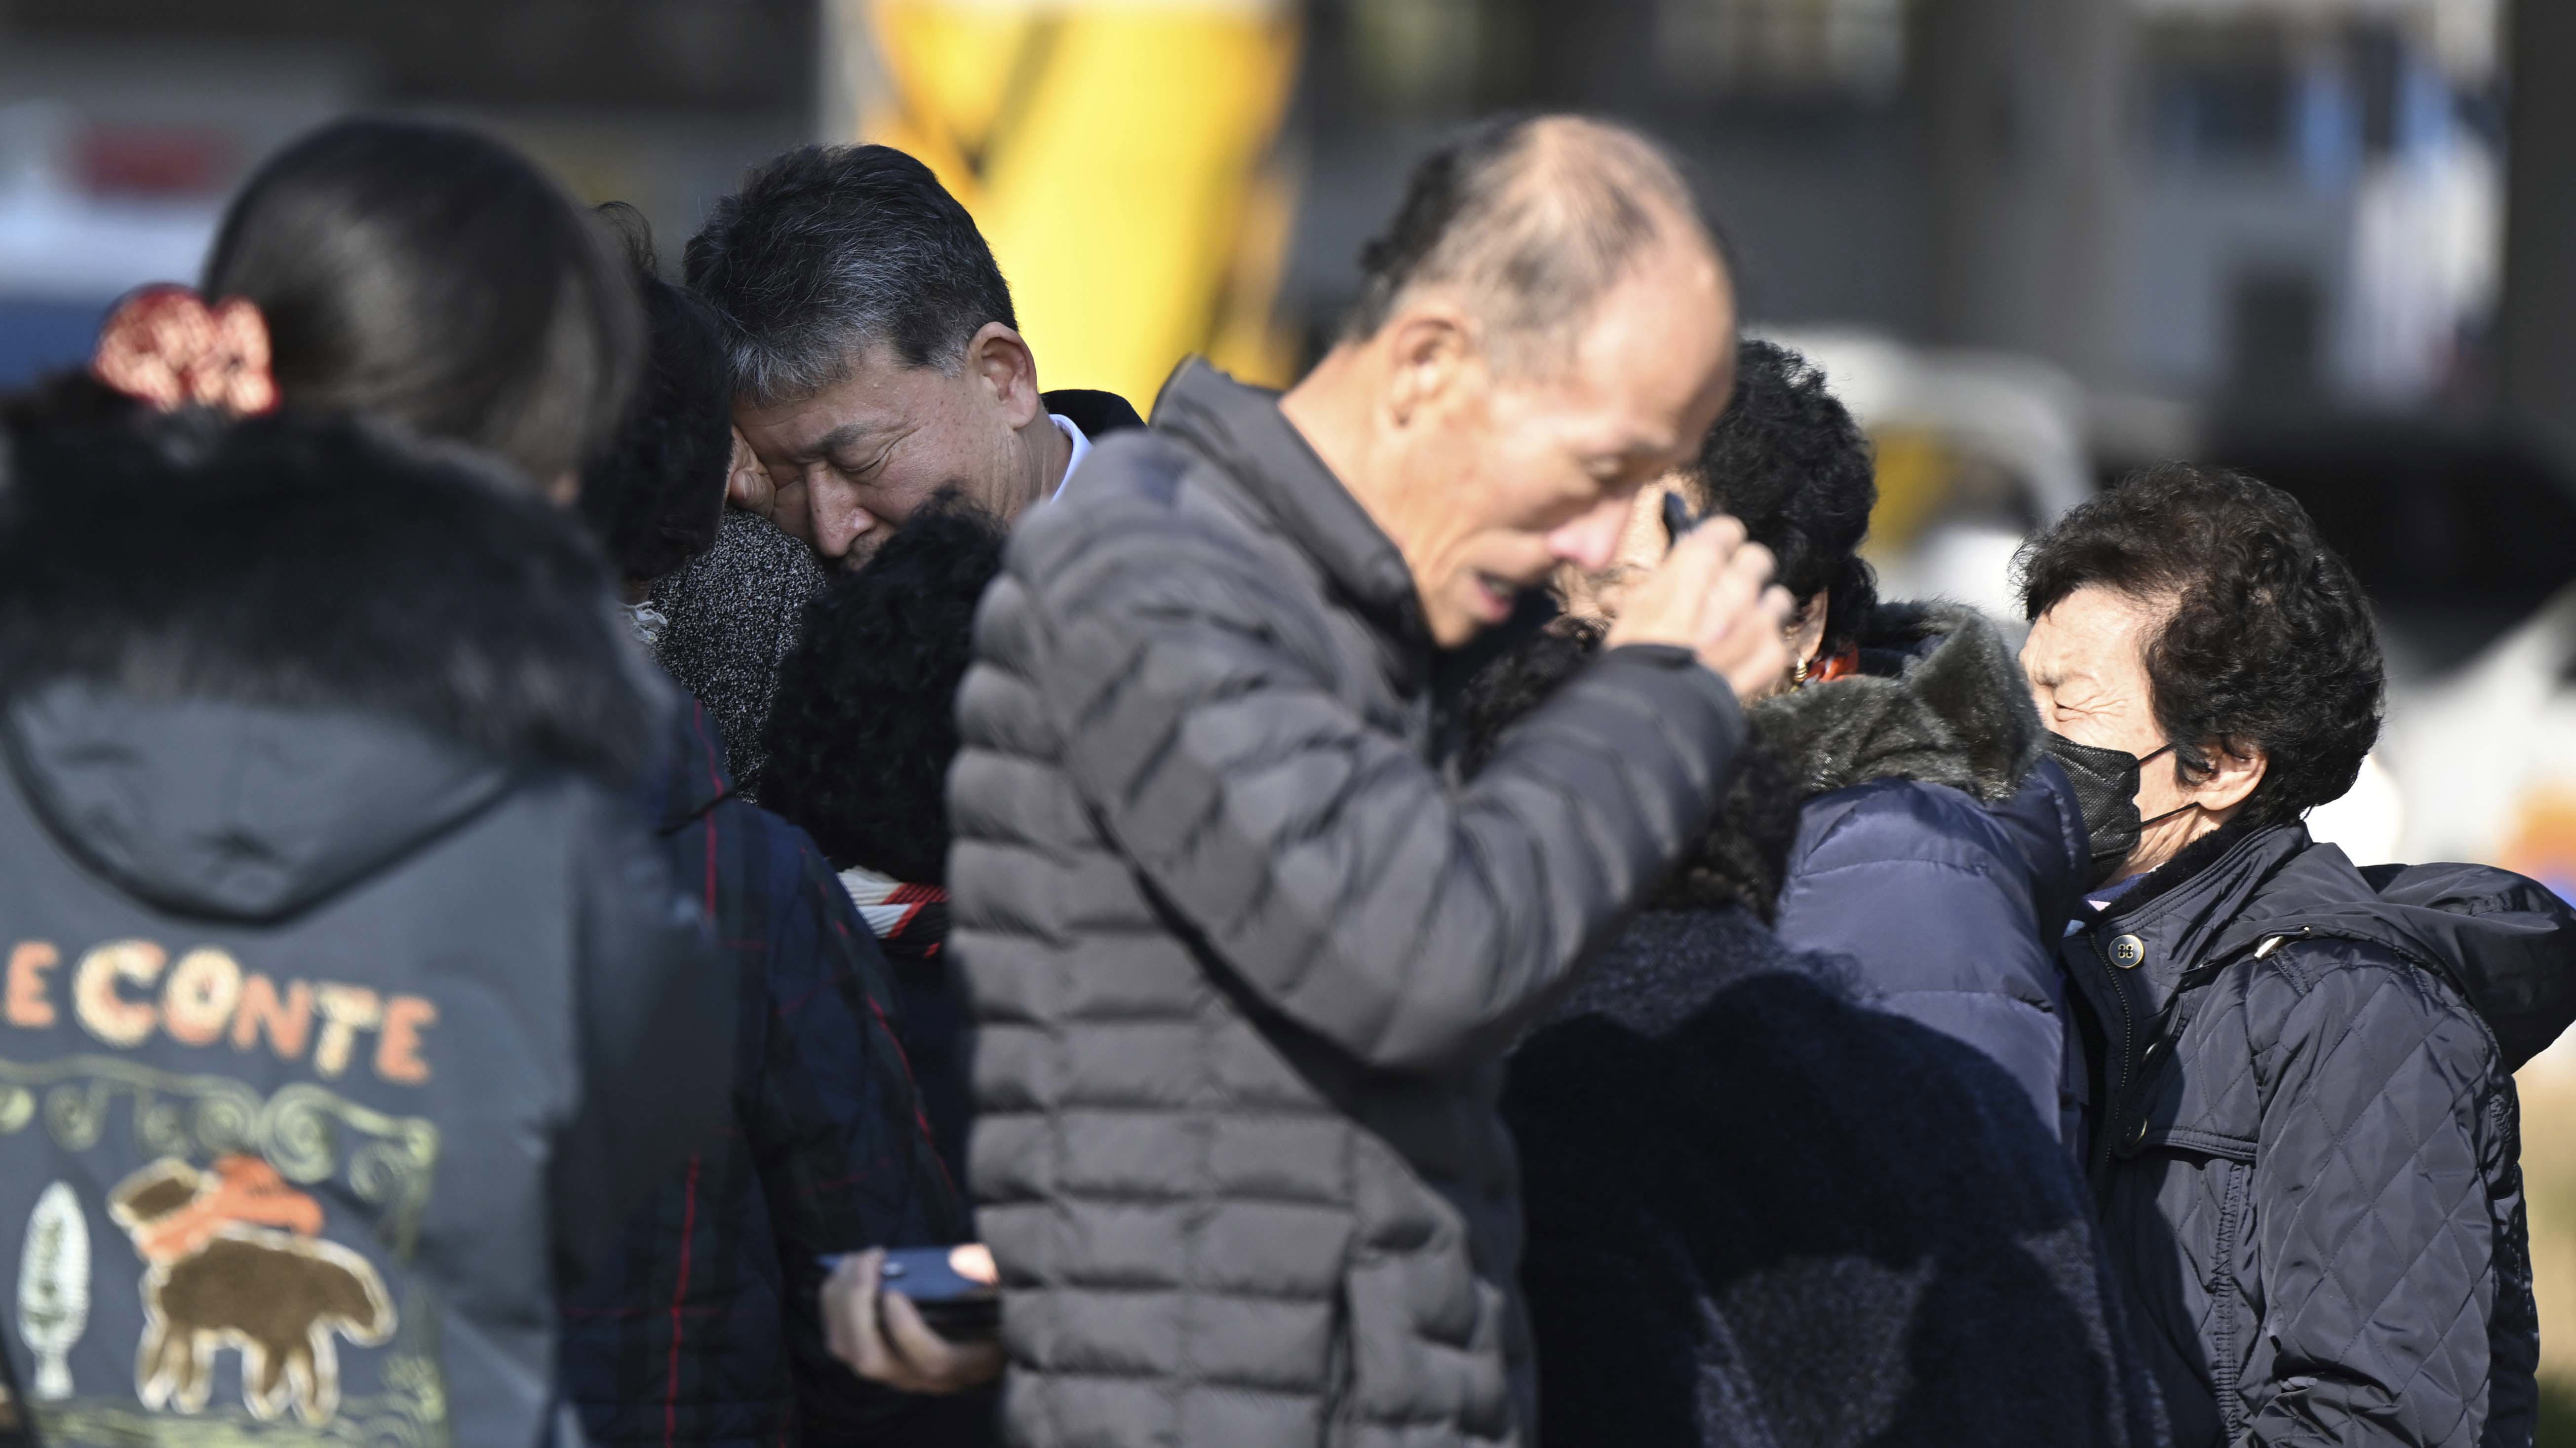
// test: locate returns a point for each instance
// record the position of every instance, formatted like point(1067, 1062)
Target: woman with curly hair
point(2304, 1140)
point(1937, 848)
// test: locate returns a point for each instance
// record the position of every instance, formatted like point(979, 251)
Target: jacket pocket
point(2178, 1212)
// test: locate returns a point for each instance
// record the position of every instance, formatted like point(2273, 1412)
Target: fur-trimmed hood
point(1939, 700)
point(242, 665)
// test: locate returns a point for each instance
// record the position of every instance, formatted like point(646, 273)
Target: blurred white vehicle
point(2487, 756)
point(1975, 450)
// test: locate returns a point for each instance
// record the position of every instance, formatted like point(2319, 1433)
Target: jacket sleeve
point(836, 1128)
point(1935, 908)
point(1319, 857)
point(2373, 1237)
point(653, 1032)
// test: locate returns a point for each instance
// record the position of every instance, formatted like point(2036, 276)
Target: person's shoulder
point(2326, 992)
point(1914, 801)
point(772, 848)
point(1146, 509)
point(1133, 467)
point(1097, 413)
point(1900, 819)
point(1666, 966)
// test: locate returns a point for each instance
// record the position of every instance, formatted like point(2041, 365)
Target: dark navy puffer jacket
point(2307, 1158)
point(1938, 850)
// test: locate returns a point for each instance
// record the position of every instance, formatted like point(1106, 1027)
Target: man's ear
point(1431, 354)
point(747, 484)
point(2232, 778)
point(1001, 358)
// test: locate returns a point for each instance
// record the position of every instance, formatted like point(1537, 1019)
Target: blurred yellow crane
point(1120, 156)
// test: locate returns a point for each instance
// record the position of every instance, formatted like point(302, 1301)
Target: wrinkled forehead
point(2099, 632)
point(1660, 343)
point(876, 391)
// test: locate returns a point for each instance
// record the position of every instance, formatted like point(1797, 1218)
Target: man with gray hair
point(877, 365)
point(877, 361)
point(1245, 957)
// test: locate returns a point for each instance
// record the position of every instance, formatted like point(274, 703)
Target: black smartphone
point(1677, 518)
point(954, 1304)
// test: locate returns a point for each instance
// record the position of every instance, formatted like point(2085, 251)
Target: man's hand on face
point(749, 487)
point(1712, 594)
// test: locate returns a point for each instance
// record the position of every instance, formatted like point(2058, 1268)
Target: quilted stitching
point(2372, 1288)
point(1240, 1012)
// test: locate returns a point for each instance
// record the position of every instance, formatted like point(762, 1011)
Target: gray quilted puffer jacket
point(2307, 1157)
point(1244, 961)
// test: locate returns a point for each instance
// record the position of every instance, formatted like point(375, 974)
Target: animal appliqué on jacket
point(234, 1258)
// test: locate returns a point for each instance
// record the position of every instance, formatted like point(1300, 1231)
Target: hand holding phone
point(1711, 594)
point(873, 1325)
point(953, 1286)
point(1677, 518)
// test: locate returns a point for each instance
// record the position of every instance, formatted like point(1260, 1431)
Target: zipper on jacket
point(2117, 1096)
point(2228, 1363)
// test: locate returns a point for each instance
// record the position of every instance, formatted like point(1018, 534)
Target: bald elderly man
point(1244, 958)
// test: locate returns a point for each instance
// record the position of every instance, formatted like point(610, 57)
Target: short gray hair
point(828, 251)
point(1534, 217)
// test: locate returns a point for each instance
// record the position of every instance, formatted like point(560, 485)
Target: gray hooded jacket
point(1245, 962)
point(346, 1006)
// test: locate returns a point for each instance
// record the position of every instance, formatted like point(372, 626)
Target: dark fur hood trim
point(1939, 700)
point(313, 564)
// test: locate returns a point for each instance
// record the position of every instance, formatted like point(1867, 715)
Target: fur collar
point(312, 563)
point(1940, 700)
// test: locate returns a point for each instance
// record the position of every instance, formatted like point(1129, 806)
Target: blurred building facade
point(124, 124)
point(2035, 241)
point(2180, 203)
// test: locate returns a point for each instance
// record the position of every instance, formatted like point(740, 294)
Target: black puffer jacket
point(2307, 1156)
point(348, 1005)
point(1245, 963)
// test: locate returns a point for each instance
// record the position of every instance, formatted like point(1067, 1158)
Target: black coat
point(705, 1325)
point(2307, 1143)
point(1763, 1214)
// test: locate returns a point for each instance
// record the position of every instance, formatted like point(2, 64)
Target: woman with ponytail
point(317, 872)
point(419, 274)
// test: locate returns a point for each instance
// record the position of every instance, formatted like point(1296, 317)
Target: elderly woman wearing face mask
point(1938, 850)
point(2304, 1136)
